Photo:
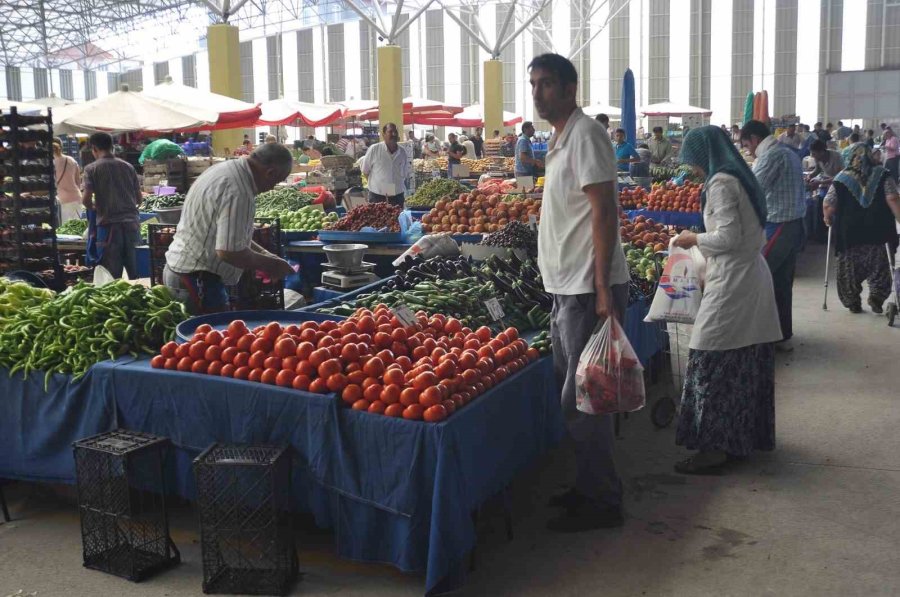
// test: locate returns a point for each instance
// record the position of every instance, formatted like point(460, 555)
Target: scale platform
point(343, 279)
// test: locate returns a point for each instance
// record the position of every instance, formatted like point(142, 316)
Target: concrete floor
point(819, 516)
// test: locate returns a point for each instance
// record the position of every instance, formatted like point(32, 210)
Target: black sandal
point(689, 466)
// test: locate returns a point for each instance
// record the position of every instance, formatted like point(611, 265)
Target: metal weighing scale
point(342, 278)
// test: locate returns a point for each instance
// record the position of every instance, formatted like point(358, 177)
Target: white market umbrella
point(474, 116)
point(127, 111)
point(230, 112)
point(285, 111)
point(672, 109)
point(53, 101)
point(594, 110)
point(21, 107)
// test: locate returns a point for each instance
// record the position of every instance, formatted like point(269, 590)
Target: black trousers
point(392, 199)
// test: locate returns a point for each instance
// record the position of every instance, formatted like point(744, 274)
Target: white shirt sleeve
point(368, 160)
point(723, 213)
point(596, 162)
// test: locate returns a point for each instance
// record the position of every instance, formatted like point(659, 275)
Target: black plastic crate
point(159, 237)
point(243, 495)
point(121, 500)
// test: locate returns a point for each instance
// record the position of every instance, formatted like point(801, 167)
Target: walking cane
point(827, 258)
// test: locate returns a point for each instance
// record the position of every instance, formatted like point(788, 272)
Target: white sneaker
point(784, 346)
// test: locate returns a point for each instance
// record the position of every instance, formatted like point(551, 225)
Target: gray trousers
point(572, 323)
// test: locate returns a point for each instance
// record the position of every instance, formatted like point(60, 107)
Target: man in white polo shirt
point(386, 165)
point(583, 267)
point(213, 244)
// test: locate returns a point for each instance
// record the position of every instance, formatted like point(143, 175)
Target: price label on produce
point(404, 315)
point(532, 221)
point(494, 309)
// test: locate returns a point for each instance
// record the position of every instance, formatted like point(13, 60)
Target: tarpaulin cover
point(393, 490)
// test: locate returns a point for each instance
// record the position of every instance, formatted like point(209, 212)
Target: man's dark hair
point(558, 65)
point(643, 146)
point(829, 125)
point(385, 127)
point(818, 145)
point(496, 132)
point(658, 129)
point(603, 119)
point(883, 126)
point(854, 137)
point(527, 124)
point(840, 123)
point(818, 124)
point(620, 131)
point(870, 132)
point(101, 141)
point(754, 128)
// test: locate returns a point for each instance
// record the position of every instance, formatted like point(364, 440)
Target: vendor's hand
point(281, 269)
point(685, 240)
point(604, 306)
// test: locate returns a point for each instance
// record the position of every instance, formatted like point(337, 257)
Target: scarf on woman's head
point(861, 175)
point(709, 148)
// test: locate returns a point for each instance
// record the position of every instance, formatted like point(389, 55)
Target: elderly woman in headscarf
point(859, 204)
point(728, 401)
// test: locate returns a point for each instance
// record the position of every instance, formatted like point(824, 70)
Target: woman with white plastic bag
point(728, 402)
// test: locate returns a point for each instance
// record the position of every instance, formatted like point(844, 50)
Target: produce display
point(375, 215)
point(475, 166)
point(671, 197)
point(635, 198)
point(666, 173)
point(74, 330)
point(514, 235)
point(460, 287)
point(73, 227)
point(278, 201)
point(424, 372)
point(17, 296)
point(645, 232)
point(435, 189)
point(153, 202)
point(542, 343)
point(309, 218)
point(478, 212)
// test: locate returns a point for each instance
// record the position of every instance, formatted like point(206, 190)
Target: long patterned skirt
point(859, 264)
point(728, 402)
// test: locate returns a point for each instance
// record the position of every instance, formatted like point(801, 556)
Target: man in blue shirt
point(780, 173)
point(625, 152)
point(525, 162)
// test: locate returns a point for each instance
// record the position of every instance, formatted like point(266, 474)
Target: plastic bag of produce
point(430, 245)
point(609, 377)
point(679, 290)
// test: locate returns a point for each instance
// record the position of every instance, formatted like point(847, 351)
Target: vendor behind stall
point(386, 166)
point(213, 244)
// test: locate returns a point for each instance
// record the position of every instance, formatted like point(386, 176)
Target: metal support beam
point(396, 21)
point(504, 27)
point(523, 26)
point(364, 16)
point(478, 39)
point(598, 31)
point(411, 19)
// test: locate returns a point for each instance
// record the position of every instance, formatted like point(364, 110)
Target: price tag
point(532, 221)
point(494, 309)
point(404, 315)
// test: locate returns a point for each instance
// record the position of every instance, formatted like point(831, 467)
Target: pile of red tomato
point(422, 372)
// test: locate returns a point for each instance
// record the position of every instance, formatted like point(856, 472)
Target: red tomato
point(470, 376)
point(184, 364)
point(452, 326)
point(308, 335)
point(237, 328)
point(309, 325)
point(241, 359)
point(304, 349)
point(467, 360)
point(394, 376)
point(215, 368)
point(435, 414)
point(326, 342)
point(361, 404)
point(449, 406)
point(305, 368)
point(368, 382)
point(257, 360)
point(285, 378)
point(227, 370)
point(336, 382)
point(366, 325)
point(409, 396)
point(318, 386)
point(351, 393)
point(227, 343)
point(485, 365)
point(319, 356)
point(261, 345)
point(404, 362)
point(272, 363)
point(472, 344)
point(349, 353)
point(414, 412)
point(329, 368)
point(445, 370)
point(300, 382)
point(373, 392)
point(203, 328)
point(197, 350)
point(347, 327)
point(168, 350)
point(394, 410)
point(158, 362)
point(290, 363)
point(269, 376)
point(245, 342)
point(199, 366)
point(374, 367)
point(285, 347)
point(356, 377)
point(171, 364)
point(213, 337)
point(424, 380)
point(242, 372)
point(390, 394)
point(228, 355)
point(504, 355)
point(213, 353)
point(272, 331)
point(430, 396)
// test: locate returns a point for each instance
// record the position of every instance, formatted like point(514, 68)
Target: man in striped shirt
point(214, 241)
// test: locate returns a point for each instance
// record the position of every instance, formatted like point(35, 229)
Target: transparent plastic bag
point(609, 377)
point(679, 291)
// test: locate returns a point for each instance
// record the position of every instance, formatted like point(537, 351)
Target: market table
point(310, 255)
point(670, 218)
point(393, 490)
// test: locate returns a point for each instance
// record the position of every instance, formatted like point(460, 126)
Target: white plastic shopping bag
point(609, 377)
point(679, 290)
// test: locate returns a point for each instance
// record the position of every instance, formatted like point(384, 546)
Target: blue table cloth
point(393, 490)
point(670, 218)
point(645, 338)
